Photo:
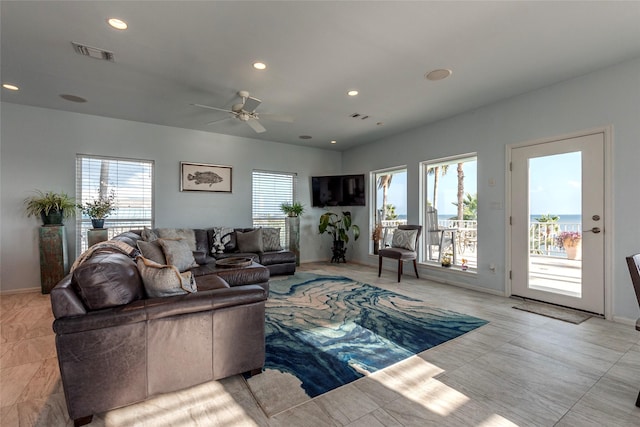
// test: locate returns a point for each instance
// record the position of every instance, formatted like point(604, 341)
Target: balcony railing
point(543, 237)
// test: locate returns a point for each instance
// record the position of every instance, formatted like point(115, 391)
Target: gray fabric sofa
point(116, 346)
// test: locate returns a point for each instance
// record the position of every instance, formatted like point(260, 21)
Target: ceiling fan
point(245, 111)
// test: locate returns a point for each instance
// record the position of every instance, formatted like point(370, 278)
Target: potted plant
point(571, 242)
point(338, 227)
point(292, 209)
point(446, 259)
point(99, 209)
point(51, 207)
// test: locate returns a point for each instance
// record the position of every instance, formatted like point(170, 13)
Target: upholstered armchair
point(404, 247)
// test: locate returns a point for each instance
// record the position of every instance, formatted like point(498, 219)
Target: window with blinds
point(129, 180)
point(269, 191)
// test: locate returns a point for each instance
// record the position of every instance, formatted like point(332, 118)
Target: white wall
point(607, 97)
point(38, 150)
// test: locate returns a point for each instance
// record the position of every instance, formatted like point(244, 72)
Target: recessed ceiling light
point(333, 142)
point(259, 65)
point(10, 86)
point(118, 24)
point(73, 98)
point(438, 74)
point(352, 93)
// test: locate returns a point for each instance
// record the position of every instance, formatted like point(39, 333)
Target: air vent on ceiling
point(92, 52)
point(359, 116)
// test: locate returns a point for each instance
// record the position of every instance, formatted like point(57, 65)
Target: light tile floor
point(520, 369)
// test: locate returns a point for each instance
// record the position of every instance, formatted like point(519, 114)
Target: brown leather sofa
point(277, 261)
point(116, 346)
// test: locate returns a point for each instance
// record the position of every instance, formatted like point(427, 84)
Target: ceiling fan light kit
point(245, 111)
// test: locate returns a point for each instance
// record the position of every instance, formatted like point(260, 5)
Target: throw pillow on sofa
point(250, 241)
point(271, 239)
point(186, 234)
point(107, 279)
point(222, 238)
point(164, 280)
point(148, 235)
point(178, 253)
point(152, 250)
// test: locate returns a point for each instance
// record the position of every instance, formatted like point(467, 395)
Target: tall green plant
point(48, 202)
point(338, 226)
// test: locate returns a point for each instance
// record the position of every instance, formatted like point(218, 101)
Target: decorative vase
point(339, 251)
point(376, 246)
point(575, 251)
point(52, 219)
point(97, 223)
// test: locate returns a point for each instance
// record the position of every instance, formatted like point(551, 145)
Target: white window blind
point(132, 183)
point(270, 190)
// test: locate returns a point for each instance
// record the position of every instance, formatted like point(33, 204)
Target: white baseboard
point(20, 291)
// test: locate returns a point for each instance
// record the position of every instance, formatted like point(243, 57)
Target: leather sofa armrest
point(109, 317)
point(206, 300)
point(64, 300)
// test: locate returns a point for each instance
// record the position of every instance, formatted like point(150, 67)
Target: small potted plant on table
point(99, 209)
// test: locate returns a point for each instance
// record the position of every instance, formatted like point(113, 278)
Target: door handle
point(594, 230)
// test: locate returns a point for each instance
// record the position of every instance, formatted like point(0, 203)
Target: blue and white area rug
point(325, 331)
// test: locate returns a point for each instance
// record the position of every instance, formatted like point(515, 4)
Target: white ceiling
point(176, 53)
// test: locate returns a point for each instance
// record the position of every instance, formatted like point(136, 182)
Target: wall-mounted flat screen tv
point(338, 190)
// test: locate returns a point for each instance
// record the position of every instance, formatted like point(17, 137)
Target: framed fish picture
point(204, 177)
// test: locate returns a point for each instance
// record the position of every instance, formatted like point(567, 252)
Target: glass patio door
point(557, 222)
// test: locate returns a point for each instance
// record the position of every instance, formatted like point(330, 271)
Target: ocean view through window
point(131, 182)
point(450, 209)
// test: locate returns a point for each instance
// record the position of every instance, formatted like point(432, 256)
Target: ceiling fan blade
point(255, 125)
point(277, 117)
point(219, 120)
point(250, 104)
point(212, 108)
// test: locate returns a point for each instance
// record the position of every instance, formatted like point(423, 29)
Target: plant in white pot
point(99, 209)
point(292, 209)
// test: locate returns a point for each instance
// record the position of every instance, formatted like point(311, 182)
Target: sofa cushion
point(250, 241)
point(128, 237)
point(202, 240)
point(186, 234)
point(271, 239)
point(107, 279)
point(279, 257)
point(148, 235)
point(164, 280)
point(178, 253)
point(152, 250)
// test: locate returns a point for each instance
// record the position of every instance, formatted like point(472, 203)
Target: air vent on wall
point(92, 52)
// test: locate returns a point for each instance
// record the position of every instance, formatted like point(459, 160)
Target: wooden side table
point(54, 260)
point(97, 235)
